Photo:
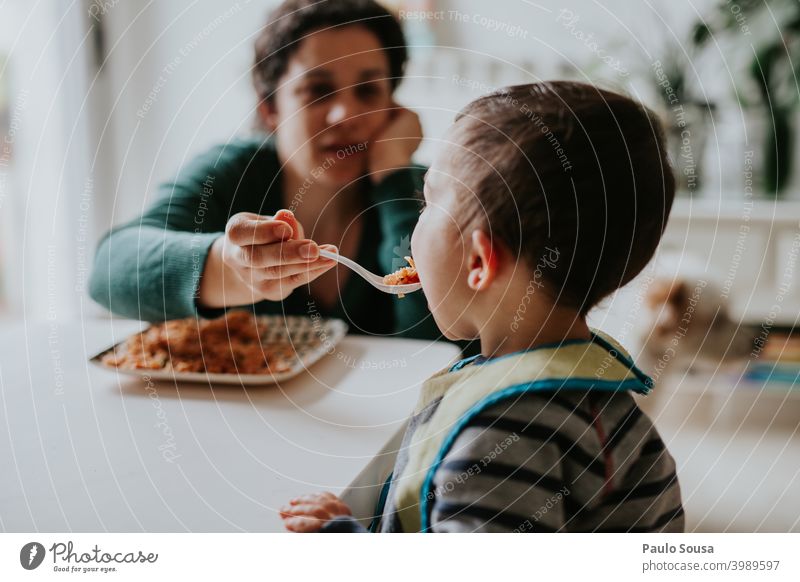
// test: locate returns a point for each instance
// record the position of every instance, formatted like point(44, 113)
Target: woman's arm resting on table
point(150, 267)
point(183, 257)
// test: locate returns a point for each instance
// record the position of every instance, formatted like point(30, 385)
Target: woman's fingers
point(304, 278)
point(394, 145)
point(407, 121)
point(246, 228)
point(303, 252)
point(279, 289)
point(267, 258)
point(289, 218)
point(270, 274)
point(282, 287)
point(273, 255)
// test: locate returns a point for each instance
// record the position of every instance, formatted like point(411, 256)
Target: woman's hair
point(293, 20)
point(574, 179)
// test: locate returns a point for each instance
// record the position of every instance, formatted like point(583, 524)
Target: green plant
point(771, 29)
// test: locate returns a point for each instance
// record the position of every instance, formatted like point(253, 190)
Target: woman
point(243, 224)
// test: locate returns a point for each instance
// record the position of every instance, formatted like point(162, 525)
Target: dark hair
point(573, 168)
point(290, 22)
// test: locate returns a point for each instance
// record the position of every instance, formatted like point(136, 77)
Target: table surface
point(737, 447)
point(84, 449)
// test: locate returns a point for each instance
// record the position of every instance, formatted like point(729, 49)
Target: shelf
point(724, 401)
point(716, 209)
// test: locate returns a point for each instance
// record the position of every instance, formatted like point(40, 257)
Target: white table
point(83, 449)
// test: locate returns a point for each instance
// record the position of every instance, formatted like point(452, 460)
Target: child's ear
point(268, 115)
point(482, 261)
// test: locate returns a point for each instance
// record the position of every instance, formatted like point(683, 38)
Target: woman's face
point(332, 101)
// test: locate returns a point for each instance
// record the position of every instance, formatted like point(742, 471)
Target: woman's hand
point(260, 257)
point(393, 147)
point(309, 513)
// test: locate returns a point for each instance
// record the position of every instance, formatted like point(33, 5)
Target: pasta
point(404, 275)
point(227, 345)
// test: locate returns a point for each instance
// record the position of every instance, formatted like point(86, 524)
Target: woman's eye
point(369, 91)
point(318, 91)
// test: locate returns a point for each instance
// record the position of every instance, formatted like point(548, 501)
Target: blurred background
point(100, 100)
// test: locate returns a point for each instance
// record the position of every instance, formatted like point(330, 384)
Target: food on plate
point(230, 344)
point(404, 275)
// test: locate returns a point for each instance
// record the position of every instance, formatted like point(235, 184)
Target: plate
point(311, 339)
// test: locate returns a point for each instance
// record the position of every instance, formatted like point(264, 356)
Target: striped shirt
point(568, 461)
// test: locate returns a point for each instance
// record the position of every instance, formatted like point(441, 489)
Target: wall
point(179, 78)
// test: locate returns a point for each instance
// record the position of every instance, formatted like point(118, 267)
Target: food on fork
point(404, 275)
point(230, 344)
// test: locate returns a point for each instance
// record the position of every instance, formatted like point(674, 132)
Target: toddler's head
point(544, 199)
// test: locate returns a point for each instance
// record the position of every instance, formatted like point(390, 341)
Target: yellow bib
point(599, 364)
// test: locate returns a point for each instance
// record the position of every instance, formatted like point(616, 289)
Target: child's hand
point(308, 513)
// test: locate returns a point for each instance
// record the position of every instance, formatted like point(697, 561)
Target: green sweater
point(150, 267)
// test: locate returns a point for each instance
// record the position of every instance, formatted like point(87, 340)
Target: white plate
point(311, 340)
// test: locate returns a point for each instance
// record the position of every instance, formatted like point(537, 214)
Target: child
point(546, 199)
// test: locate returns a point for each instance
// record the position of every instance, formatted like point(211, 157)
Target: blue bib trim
point(461, 363)
point(379, 507)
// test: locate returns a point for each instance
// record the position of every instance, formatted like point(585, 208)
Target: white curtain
point(87, 154)
point(48, 211)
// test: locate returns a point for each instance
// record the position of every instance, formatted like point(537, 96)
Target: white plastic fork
point(371, 278)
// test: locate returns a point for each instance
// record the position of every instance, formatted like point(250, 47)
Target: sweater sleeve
point(343, 524)
point(398, 211)
point(150, 267)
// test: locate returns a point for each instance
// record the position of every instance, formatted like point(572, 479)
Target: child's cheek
point(420, 260)
point(420, 257)
point(431, 245)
